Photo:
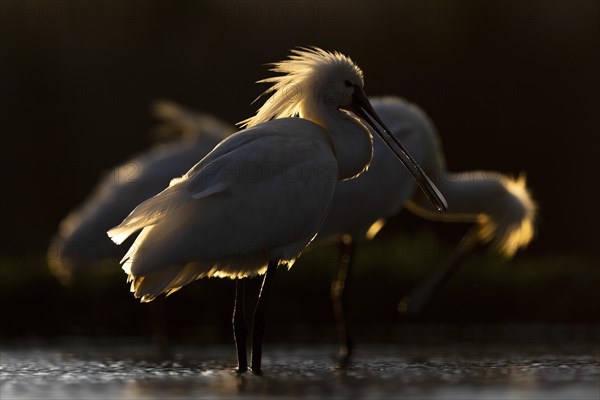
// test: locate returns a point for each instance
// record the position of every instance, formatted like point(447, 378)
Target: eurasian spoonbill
point(259, 198)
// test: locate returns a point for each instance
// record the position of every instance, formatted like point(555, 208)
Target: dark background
point(511, 86)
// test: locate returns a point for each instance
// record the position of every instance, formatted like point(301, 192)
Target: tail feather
point(149, 213)
point(171, 279)
point(148, 287)
point(147, 283)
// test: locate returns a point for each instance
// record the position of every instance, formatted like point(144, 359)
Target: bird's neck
point(351, 141)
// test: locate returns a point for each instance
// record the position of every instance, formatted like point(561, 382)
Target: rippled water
point(419, 372)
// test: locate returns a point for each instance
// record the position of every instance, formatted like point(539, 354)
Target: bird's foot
point(343, 360)
point(241, 370)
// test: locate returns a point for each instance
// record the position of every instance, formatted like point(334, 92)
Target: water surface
point(457, 371)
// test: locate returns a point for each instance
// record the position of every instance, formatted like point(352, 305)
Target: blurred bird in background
point(81, 240)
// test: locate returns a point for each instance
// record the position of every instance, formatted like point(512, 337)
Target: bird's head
point(308, 75)
point(332, 79)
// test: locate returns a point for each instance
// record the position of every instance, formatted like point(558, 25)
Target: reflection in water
point(432, 372)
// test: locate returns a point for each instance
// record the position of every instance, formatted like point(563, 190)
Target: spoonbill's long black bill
point(362, 107)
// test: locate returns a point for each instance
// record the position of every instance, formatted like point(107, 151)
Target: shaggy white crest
point(512, 226)
point(179, 122)
point(308, 76)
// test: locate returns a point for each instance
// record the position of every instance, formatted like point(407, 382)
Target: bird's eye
point(348, 83)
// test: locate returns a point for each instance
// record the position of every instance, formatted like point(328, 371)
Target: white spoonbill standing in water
point(258, 199)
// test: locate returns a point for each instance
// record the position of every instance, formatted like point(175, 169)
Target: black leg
point(339, 299)
point(240, 328)
point(420, 298)
point(258, 325)
point(159, 326)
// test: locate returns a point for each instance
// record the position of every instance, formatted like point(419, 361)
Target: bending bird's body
point(502, 207)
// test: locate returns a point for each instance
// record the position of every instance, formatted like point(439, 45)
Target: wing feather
point(260, 195)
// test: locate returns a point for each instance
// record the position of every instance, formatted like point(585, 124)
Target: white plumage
point(214, 221)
